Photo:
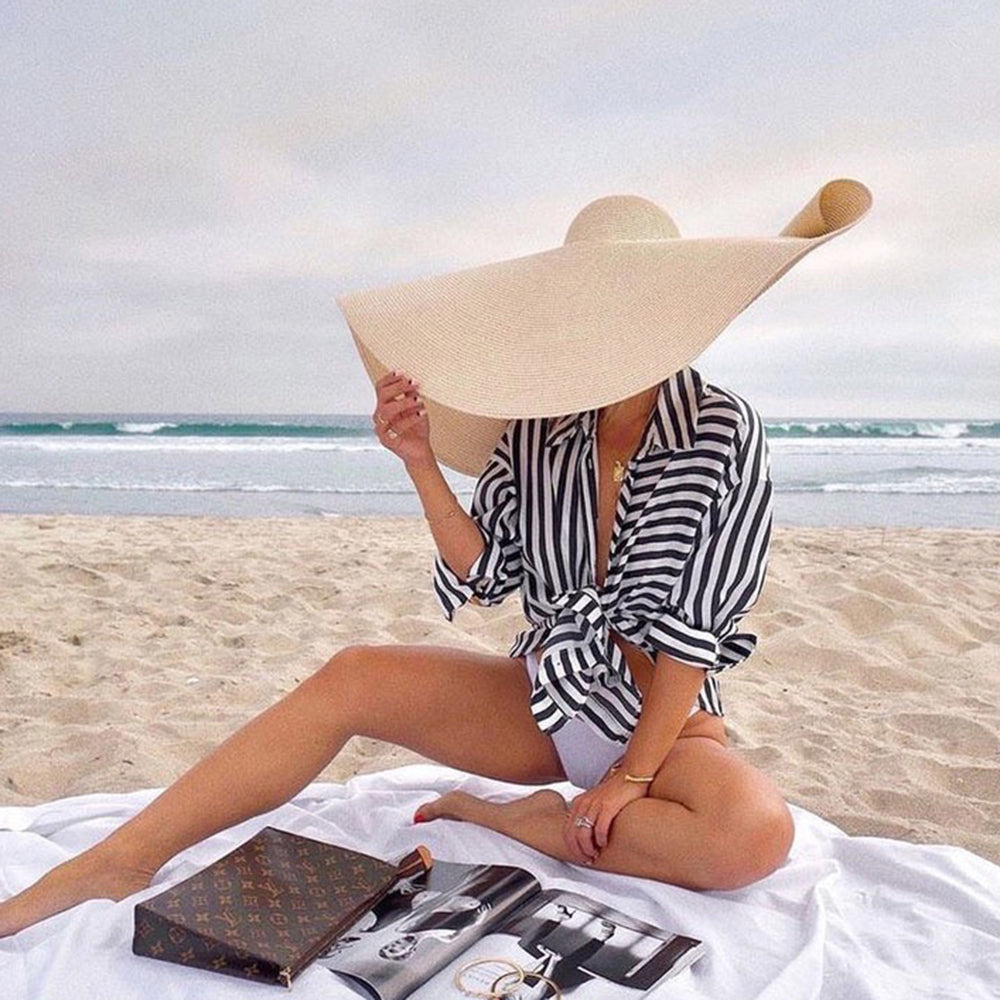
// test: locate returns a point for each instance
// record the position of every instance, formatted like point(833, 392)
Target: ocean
point(826, 471)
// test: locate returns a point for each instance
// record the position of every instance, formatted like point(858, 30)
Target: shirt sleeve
point(498, 571)
point(723, 577)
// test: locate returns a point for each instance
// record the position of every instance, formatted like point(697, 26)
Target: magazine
point(413, 942)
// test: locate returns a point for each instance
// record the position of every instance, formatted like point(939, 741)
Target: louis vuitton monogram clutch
point(265, 910)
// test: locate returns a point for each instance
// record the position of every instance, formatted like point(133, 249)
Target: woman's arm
point(478, 558)
point(483, 569)
point(664, 712)
point(458, 538)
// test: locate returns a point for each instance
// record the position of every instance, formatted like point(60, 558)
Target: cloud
point(184, 189)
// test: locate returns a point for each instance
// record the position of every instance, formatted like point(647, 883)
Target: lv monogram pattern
point(264, 910)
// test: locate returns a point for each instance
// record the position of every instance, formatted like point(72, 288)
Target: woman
point(468, 710)
point(622, 606)
point(634, 602)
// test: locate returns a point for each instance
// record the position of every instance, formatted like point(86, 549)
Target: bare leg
point(721, 834)
point(466, 710)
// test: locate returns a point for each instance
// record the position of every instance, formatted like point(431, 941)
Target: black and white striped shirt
point(687, 560)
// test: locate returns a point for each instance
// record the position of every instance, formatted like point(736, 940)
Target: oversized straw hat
point(621, 305)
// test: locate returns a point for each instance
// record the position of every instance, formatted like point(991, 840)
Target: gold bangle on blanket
point(516, 970)
point(557, 993)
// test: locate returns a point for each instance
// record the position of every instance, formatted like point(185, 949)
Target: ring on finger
point(584, 821)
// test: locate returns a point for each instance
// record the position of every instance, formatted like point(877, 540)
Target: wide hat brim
point(576, 327)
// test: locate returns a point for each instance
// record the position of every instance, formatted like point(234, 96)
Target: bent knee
point(344, 664)
point(754, 848)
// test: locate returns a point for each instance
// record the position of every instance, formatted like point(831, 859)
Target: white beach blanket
point(845, 917)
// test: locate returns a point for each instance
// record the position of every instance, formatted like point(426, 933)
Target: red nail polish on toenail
point(418, 818)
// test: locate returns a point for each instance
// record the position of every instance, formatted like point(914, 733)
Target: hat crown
point(621, 217)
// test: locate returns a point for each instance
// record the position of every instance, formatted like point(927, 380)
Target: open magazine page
point(425, 922)
point(591, 951)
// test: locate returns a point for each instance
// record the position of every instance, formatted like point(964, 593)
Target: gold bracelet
point(516, 970)
point(557, 993)
point(644, 781)
point(617, 765)
point(443, 517)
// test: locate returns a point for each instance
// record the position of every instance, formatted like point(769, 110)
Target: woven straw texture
point(621, 305)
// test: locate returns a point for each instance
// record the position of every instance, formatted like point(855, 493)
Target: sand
point(130, 646)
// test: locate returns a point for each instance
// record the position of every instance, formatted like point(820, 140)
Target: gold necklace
point(618, 472)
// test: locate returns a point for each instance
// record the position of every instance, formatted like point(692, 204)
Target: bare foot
point(471, 809)
point(97, 873)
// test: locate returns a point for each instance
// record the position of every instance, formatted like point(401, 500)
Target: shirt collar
point(674, 418)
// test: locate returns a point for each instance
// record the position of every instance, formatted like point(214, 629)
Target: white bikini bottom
point(585, 753)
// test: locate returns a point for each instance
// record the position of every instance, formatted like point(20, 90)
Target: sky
point(185, 187)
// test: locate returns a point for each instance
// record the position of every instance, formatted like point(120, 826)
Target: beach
point(130, 646)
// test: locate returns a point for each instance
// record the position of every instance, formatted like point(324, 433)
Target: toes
point(451, 805)
point(428, 811)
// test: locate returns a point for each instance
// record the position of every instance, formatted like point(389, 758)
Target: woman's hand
point(399, 408)
point(602, 803)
